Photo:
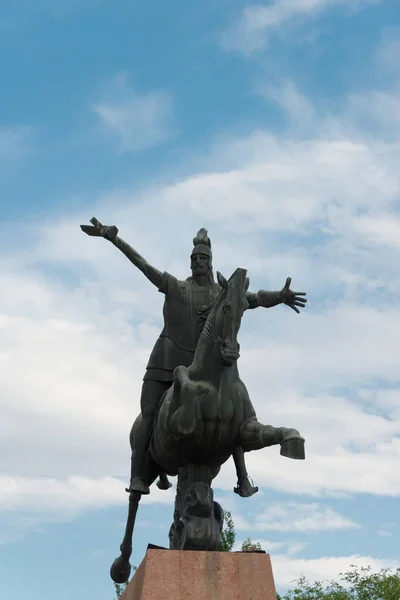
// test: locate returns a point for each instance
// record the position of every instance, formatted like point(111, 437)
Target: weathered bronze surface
point(195, 410)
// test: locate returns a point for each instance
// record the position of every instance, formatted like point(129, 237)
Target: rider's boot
point(136, 483)
point(140, 437)
point(140, 446)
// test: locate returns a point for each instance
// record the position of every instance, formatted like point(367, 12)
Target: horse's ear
point(246, 284)
point(222, 281)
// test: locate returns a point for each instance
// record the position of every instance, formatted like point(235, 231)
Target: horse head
point(228, 312)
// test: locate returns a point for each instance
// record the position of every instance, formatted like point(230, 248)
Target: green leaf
point(228, 535)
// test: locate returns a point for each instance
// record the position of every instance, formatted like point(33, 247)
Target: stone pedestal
point(198, 575)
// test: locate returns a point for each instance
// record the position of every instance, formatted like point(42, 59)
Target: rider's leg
point(244, 487)
point(152, 392)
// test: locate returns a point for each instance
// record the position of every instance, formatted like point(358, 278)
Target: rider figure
point(178, 339)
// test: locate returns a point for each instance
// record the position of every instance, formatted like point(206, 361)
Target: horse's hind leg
point(244, 487)
point(121, 568)
point(152, 471)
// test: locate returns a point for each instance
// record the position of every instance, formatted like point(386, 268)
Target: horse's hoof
point(164, 484)
point(293, 448)
point(137, 486)
point(120, 570)
point(247, 493)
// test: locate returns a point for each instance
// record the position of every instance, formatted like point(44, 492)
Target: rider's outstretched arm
point(264, 299)
point(152, 274)
point(110, 233)
point(295, 300)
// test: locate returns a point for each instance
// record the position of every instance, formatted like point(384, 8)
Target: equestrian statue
point(195, 410)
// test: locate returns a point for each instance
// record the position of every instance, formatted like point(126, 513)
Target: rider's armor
point(182, 328)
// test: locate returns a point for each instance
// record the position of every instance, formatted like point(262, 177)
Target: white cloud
point(297, 106)
point(385, 533)
point(83, 358)
point(384, 230)
point(296, 547)
point(139, 121)
point(83, 349)
point(297, 517)
point(376, 110)
point(258, 21)
point(68, 497)
point(73, 347)
point(43, 494)
point(32, 503)
point(287, 570)
point(387, 529)
point(266, 545)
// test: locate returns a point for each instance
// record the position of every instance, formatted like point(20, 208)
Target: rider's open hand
point(292, 299)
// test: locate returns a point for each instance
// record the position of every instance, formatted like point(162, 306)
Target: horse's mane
point(203, 312)
point(206, 320)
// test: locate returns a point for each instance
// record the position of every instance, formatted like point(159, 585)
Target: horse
point(202, 419)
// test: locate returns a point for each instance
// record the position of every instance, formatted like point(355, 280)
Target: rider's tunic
point(178, 340)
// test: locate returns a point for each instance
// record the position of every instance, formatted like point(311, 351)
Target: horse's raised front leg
point(121, 568)
point(255, 435)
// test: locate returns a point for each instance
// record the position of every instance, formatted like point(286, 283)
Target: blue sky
point(276, 126)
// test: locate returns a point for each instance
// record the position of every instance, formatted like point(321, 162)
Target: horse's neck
point(206, 365)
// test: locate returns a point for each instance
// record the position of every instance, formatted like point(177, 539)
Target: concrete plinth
point(197, 575)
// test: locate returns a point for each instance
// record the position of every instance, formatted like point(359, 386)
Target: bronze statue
point(195, 410)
